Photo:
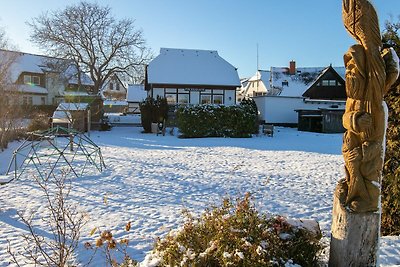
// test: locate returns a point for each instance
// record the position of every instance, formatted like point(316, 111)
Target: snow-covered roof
point(25, 62)
point(136, 93)
point(191, 67)
point(31, 89)
point(294, 85)
point(72, 106)
point(75, 93)
point(264, 76)
point(278, 81)
point(61, 115)
point(71, 74)
point(22, 62)
point(115, 103)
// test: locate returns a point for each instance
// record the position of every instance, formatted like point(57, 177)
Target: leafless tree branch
point(88, 34)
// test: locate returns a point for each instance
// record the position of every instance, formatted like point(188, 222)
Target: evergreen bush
point(218, 120)
point(391, 171)
point(153, 110)
point(251, 107)
point(235, 234)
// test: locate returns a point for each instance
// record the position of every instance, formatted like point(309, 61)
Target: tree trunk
point(354, 238)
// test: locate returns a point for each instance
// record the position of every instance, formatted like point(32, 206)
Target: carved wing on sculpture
point(361, 21)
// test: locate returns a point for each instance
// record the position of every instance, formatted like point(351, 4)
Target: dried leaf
point(128, 226)
point(93, 231)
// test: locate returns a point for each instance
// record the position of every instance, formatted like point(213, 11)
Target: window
point(117, 87)
point(328, 82)
point(205, 99)
point(43, 100)
point(285, 83)
point(111, 86)
point(218, 99)
point(24, 100)
point(30, 101)
point(31, 79)
point(170, 90)
point(171, 99)
point(183, 98)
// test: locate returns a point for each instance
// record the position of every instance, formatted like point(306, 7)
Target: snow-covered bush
point(217, 120)
point(235, 234)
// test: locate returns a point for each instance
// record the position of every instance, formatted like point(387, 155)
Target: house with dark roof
point(300, 96)
point(191, 76)
point(329, 85)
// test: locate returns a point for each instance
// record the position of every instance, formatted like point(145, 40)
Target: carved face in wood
point(354, 61)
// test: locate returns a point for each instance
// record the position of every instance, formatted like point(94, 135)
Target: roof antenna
point(258, 67)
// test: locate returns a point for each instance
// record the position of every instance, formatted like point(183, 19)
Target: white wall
point(280, 109)
point(54, 86)
point(194, 98)
point(36, 99)
point(230, 98)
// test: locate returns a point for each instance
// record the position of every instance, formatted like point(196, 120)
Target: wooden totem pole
point(370, 72)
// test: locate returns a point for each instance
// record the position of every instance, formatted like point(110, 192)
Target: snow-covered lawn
point(150, 179)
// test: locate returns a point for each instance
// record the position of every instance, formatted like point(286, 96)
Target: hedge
point(218, 120)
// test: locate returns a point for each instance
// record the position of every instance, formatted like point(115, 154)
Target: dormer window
point(31, 79)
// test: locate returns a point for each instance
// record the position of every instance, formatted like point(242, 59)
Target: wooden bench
point(268, 129)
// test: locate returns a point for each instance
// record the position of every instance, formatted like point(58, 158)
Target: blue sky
point(310, 32)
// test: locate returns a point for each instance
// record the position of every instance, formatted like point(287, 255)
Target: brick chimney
point(292, 67)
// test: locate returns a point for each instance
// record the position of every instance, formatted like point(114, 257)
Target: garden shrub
point(153, 110)
point(112, 249)
point(391, 172)
point(235, 234)
point(39, 122)
point(251, 107)
point(218, 120)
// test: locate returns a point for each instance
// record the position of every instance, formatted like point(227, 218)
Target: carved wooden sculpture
point(369, 74)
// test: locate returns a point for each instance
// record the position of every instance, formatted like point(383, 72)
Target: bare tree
point(93, 39)
point(9, 100)
point(62, 220)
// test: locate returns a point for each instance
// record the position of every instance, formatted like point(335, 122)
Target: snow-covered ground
point(150, 179)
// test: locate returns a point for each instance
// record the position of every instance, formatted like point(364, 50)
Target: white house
point(257, 85)
point(136, 94)
point(189, 76)
point(114, 89)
